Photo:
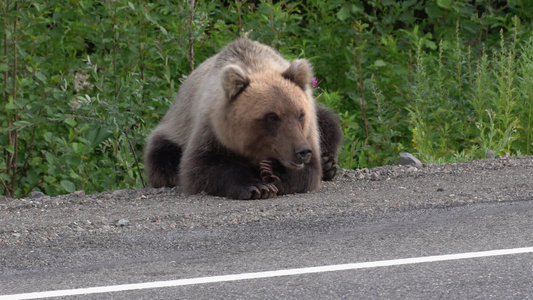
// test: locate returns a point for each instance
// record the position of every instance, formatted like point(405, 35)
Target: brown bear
point(244, 125)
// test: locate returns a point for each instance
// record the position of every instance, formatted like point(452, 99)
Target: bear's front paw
point(259, 191)
point(267, 175)
point(329, 167)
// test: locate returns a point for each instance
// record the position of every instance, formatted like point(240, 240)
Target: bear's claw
point(329, 167)
point(267, 175)
point(261, 191)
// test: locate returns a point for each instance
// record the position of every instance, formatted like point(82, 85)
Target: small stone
point(79, 193)
point(36, 194)
point(16, 234)
point(119, 193)
point(490, 154)
point(440, 189)
point(122, 222)
point(412, 169)
point(408, 159)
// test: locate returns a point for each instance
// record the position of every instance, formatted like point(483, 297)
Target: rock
point(122, 222)
point(490, 154)
point(79, 193)
point(119, 193)
point(412, 169)
point(36, 195)
point(408, 159)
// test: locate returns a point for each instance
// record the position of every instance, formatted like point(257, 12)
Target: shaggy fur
point(242, 113)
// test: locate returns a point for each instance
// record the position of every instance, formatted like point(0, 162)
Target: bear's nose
point(303, 152)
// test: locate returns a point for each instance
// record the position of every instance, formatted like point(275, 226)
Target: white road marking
point(267, 274)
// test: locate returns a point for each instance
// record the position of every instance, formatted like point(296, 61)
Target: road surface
point(393, 232)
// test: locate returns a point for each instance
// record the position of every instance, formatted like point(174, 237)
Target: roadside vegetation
point(84, 82)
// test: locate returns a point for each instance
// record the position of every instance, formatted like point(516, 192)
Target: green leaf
point(27, 82)
point(48, 136)
point(71, 122)
point(50, 158)
point(433, 11)
point(357, 9)
point(408, 3)
point(4, 67)
point(21, 123)
point(11, 106)
point(78, 148)
point(163, 30)
point(430, 44)
point(444, 3)
point(74, 175)
point(10, 149)
point(96, 136)
point(343, 14)
point(42, 38)
point(41, 77)
point(33, 177)
point(4, 176)
point(49, 179)
point(68, 186)
point(380, 63)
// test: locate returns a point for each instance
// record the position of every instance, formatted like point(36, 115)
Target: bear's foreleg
point(220, 173)
point(162, 160)
point(267, 172)
point(330, 141)
point(291, 181)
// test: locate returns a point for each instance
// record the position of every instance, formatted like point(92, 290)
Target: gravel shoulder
point(40, 221)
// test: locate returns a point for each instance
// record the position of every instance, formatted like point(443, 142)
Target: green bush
point(84, 82)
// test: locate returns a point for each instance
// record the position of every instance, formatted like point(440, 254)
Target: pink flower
point(315, 83)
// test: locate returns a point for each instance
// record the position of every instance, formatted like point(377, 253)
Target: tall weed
point(84, 82)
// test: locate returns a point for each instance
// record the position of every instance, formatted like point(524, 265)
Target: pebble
point(79, 193)
point(119, 193)
point(122, 222)
point(412, 169)
point(36, 194)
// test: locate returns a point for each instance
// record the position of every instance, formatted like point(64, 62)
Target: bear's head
point(268, 114)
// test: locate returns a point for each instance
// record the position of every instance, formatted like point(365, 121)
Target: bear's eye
point(271, 118)
point(302, 117)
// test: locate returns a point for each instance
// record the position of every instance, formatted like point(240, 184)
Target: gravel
point(41, 219)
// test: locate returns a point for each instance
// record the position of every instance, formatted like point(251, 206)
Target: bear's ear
point(300, 72)
point(234, 81)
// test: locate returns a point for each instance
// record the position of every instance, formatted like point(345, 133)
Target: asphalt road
point(148, 236)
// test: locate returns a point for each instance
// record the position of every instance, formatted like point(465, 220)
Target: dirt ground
point(39, 220)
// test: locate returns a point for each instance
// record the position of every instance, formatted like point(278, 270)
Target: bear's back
point(251, 56)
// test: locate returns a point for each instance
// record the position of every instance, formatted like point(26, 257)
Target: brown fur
point(240, 107)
